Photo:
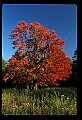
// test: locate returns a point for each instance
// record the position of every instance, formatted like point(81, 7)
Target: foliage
point(74, 63)
point(42, 102)
point(4, 65)
point(39, 58)
point(72, 80)
point(73, 77)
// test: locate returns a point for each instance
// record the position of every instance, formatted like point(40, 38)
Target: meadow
point(48, 101)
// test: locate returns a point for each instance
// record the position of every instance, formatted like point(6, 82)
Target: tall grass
point(59, 101)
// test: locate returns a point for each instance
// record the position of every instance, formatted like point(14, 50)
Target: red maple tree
point(39, 57)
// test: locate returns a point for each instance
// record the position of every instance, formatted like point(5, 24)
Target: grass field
point(52, 101)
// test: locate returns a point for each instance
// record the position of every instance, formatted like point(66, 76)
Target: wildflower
point(62, 95)
point(72, 108)
point(67, 98)
point(27, 104)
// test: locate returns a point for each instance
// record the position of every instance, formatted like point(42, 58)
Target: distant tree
point(72, 80)
point(73, 76)
point(4, 65)
point(74, 63)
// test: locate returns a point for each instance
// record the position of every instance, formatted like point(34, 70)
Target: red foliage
point(40, 55)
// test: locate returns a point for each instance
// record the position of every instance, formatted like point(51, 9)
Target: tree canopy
point(39, 58)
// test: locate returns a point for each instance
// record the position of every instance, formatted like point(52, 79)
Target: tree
point(74, 62)
point(72, 80)
point(73, 77)
point(3, 67)
point(3, 63)
point(39, 58)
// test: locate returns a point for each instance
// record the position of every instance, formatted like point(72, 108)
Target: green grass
point(57, 101)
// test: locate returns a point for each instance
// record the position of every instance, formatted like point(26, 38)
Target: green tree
point(74, 63)
point(72, 80)
point(3, 66)
point(3, 63)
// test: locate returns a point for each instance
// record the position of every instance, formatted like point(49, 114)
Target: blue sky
point(60, 17)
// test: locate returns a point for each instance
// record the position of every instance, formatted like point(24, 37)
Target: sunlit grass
point(40, 102)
